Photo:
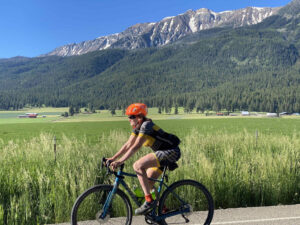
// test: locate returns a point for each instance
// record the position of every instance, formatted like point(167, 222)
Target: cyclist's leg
point(141, 166)
point(154, 173)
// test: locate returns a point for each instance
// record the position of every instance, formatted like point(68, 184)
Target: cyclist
point(165, 146)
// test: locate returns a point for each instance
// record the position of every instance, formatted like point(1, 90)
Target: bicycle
point(184, 201)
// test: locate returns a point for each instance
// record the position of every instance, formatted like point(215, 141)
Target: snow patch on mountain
point(168, 30)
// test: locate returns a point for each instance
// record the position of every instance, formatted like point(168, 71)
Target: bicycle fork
point(109, 198)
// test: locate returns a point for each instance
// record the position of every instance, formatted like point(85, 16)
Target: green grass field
point(242, 161)
point(92, 126)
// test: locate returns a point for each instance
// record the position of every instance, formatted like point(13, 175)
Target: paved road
point(274, 215)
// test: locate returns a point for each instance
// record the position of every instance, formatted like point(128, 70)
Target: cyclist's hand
point(109, 161)
point(115, 164)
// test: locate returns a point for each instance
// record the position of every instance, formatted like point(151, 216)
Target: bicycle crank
point(149, 220)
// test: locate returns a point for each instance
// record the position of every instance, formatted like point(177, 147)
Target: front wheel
point(88, 207)
point(189, 200)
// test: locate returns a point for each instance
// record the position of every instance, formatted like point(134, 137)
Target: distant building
point(29, 115)
point(283, 114)
point(245, 113)
point(32, 115)
point(271, 114)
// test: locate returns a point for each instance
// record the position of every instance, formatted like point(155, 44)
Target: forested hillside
point(251, 68)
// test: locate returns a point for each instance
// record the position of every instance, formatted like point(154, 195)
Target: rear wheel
point(189, 196)
point(88, 207)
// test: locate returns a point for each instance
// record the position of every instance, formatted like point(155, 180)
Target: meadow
point(242, 161)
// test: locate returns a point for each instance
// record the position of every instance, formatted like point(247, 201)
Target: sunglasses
point(131, 117)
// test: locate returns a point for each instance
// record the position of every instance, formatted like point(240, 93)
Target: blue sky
point(33, 27)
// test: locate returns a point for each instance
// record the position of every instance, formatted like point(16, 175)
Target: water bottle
point(139, 194)
point(153, 193)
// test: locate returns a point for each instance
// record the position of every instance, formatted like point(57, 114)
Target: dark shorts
point(165, 157)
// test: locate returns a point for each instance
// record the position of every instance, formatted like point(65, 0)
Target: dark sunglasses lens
point(131, 117)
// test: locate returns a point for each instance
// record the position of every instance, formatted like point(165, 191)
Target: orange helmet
point(137, 109)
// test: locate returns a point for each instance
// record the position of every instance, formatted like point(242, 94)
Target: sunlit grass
point(238, 168)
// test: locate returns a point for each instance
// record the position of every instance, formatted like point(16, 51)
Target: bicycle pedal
point(149, 219)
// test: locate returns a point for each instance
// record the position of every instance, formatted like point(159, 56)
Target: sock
point(149, 198)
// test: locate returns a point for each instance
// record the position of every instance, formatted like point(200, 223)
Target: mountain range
point(214, 65)
point(168, 30)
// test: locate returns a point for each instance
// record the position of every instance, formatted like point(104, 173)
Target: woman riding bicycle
point(145, 132)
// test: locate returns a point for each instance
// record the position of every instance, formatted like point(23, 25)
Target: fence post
point(256, 137)
point(55, 148)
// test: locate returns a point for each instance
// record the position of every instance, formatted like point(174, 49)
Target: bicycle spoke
point(189, 198)
point(90, 208)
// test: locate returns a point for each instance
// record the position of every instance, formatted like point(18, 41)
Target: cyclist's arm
point(139, 141)
point(125, 147)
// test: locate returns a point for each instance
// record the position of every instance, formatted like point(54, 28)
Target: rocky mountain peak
point(169, 29)
point(203, 10)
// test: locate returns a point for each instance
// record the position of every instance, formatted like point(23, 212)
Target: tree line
point(242, 69)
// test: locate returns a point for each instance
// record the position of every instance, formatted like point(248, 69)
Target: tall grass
point(241, 170)
point(238, 169)
point(34, 189)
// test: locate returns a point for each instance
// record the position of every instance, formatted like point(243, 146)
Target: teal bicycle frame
point(120, 175)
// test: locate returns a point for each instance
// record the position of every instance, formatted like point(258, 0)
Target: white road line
point(257, 221)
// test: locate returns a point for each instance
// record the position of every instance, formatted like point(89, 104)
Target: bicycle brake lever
point(103, 162)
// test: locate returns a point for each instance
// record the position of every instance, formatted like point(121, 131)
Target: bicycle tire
point(197, 197)
point(89, 204)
